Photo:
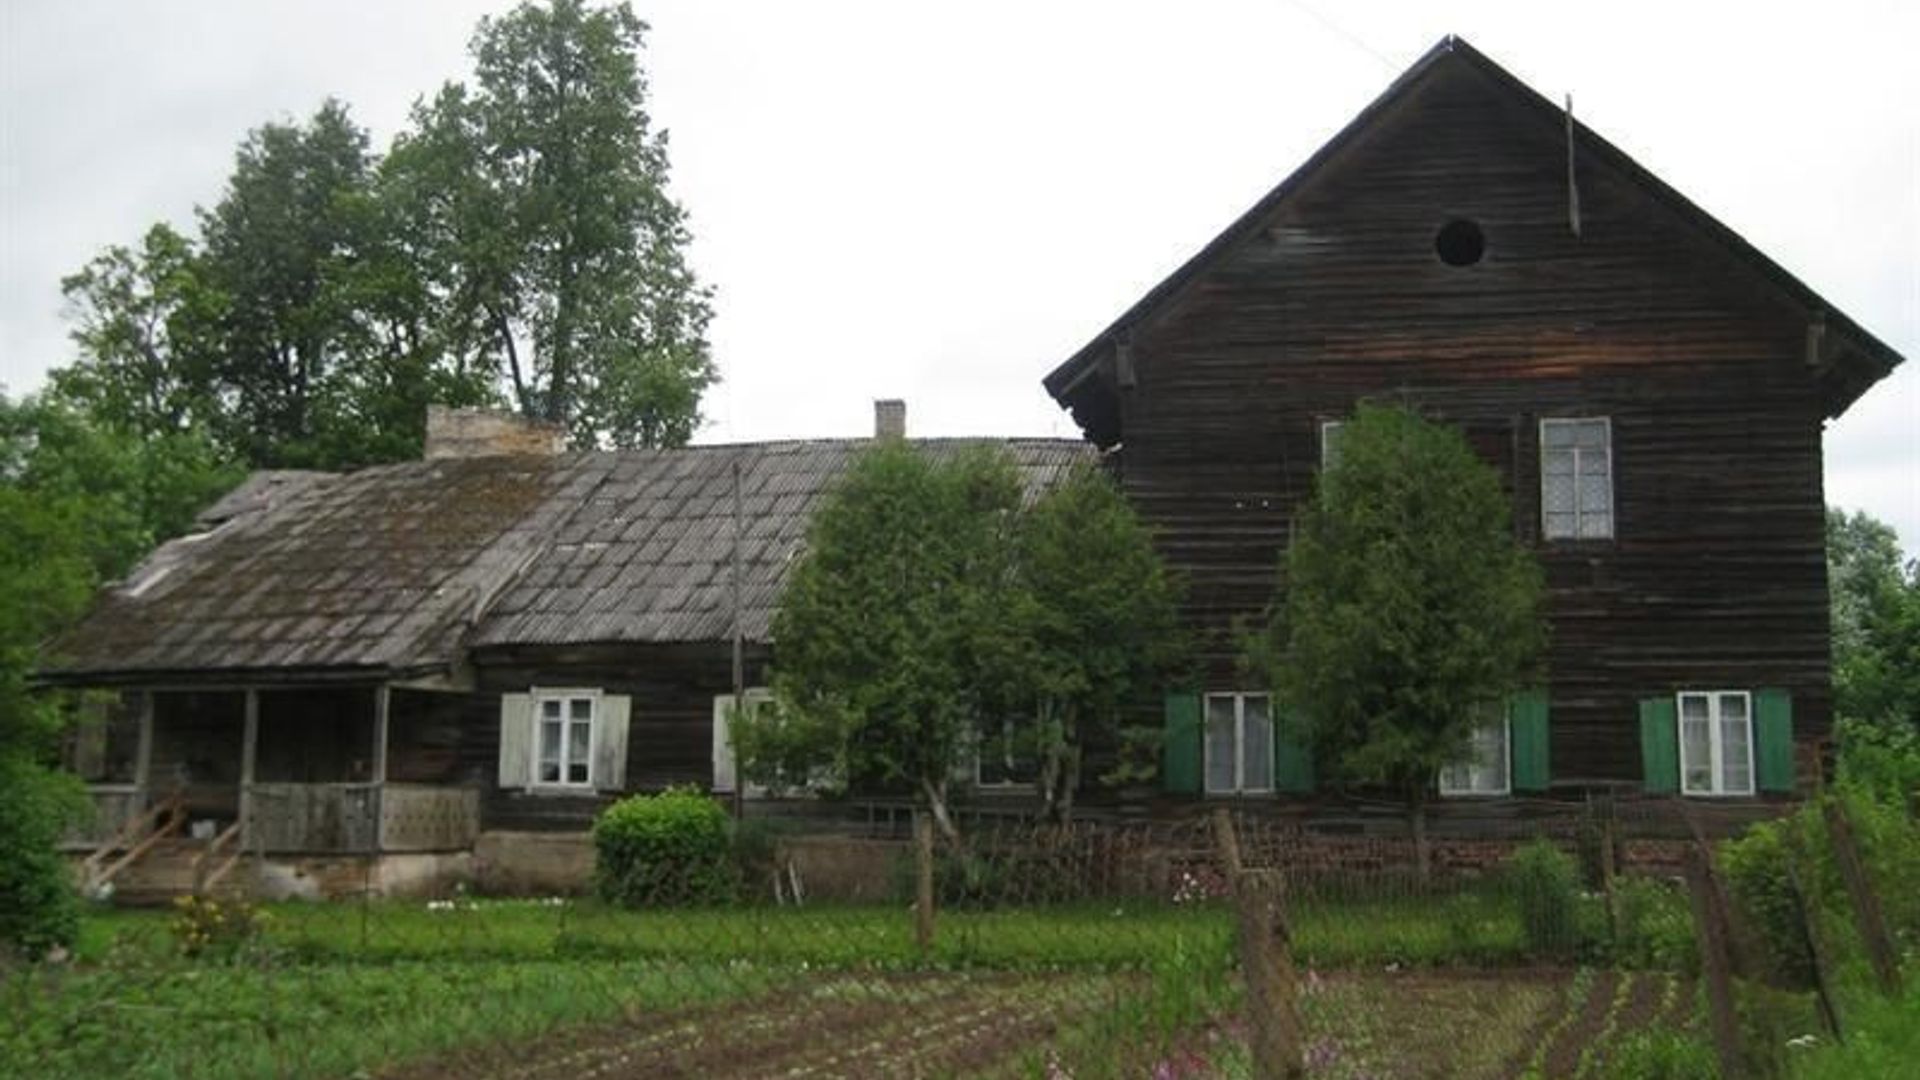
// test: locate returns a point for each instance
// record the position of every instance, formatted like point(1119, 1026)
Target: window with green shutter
point(1180, 754)
point(1659, 746)
point(1773, 732)
point(1527, 715)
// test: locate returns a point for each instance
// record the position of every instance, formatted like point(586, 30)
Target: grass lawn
point(361, 989)
point(1471, 928)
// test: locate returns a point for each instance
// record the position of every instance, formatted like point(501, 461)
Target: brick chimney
point(889, 419)
point(469, 433)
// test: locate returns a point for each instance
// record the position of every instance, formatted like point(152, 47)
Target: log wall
point(1716, 578)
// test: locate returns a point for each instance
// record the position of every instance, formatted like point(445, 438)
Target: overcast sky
point(940, 202)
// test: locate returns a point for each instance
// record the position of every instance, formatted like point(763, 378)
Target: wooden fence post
point(1266, 963)
point(1716, 964)
point(1813, 937)
point(1228, 844)
point(1866, 903)
point(923, 882)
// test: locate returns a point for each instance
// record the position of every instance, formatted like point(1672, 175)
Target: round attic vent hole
point(1460, 243)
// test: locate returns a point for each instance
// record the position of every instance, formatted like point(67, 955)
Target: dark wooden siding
point(670, 733)
point(1717, 575)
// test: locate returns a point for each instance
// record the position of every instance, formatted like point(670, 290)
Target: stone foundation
point(533, 863)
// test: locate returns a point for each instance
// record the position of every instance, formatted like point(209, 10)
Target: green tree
point(1408, 612)
point(1875, 595)
point(80, 502)
point(559, 253)
point(142, 319)
point(1104, 630)
point(898, 628)
point(283, 249)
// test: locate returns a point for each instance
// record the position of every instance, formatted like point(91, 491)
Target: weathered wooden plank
point(1716, 577)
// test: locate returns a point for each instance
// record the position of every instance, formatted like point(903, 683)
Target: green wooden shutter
point(1773, 739)
point(1180, 756)
point(1659, 745)
point(1527, 724)
point(1292, 755)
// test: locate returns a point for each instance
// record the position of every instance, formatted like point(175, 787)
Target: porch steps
point(167, 871)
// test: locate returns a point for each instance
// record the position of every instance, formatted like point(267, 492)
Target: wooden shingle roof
point(646, 555)
point(397, 569)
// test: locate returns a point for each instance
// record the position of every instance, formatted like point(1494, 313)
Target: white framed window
point(1716, 742)
point(1576, 478)
point(1239, 744)
point(563, 737)
point(1002, 758)
point(725, 764)
point(1330, 431)
point(1488, 767)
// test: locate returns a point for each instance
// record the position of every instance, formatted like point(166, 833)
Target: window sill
point(558, 790)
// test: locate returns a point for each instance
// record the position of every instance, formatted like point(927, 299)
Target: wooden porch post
point(382, 703)
point(249, 746)
point(143, 754)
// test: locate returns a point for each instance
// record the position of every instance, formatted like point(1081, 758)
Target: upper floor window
point(1330, 442)
point(1716, 743)
point(563, 728)
point(1239, 746)
point(1576, 479)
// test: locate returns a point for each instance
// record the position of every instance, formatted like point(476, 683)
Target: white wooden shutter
point(610, 742)
point(516, 740)
point(723, 767)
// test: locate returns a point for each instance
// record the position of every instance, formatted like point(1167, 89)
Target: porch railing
point(357, 818)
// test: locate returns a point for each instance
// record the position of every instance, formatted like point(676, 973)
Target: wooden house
point(1650, 387)
point(359, 678)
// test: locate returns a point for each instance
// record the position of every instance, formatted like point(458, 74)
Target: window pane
point(1596, 494)
point(580, 708)
point(1257, 744)
point(1556, 435)
point(1330, 443)
point(1736, 745)
point(1220, 759)
point(1558, 462)
point(1559, 525)
point(1556, 494)
point(549, 770)
point(550, 709)
point(1492, 760)
point(579, 749)
point(1591, 435)
point(1596, 526)
point(1696, 744)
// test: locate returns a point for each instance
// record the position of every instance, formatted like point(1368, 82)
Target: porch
point(207, 779)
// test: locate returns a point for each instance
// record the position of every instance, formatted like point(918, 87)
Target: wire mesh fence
point(1227, 943)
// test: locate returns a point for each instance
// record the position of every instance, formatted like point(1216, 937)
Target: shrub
point(1756, 870)
point(1880, 760)
point(1652, 926)
point(1546, 884)
point(206, 927)
point(670, 848)
point(38, 908)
